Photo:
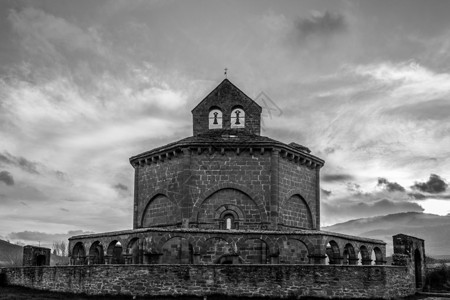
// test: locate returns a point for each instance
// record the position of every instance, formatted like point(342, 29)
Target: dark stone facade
point(36, 256)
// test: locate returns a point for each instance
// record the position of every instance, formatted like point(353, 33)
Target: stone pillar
point(128, 258)
point(136, 198)
point(380, 262)
point(366, 262)
point(274, 200)
point(353, 261)
point(274, 259)
point(90, 259)
point(317, 213)
point(108, 259)
point(317, 259)
point(184, 185)
point(196, 259)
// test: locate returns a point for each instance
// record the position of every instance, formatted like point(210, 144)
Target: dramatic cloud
point(336, 177)
point(83, 89)
point(22, 163)
point(434, 185)
point(436, 109)
point(321, 24)
point(390, 186)
point(6, 178)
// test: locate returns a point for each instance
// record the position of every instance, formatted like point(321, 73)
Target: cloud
point(325, 193)
point(22, 163)
point(420, 196)
point(417, 196)
point(6, 178)
point(121, 186)
point(43, 32)
point(321, 24)
point(336, 177)
point(435, 110)
point(43, 237)
point(434, 185)
point(390, 186)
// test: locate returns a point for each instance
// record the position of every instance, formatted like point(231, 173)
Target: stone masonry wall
point(232, 280)
point(226, 97)
point(295, 179)
point(155, 180)
point(245, 172)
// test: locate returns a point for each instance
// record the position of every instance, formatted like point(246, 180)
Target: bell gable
point(227, 108)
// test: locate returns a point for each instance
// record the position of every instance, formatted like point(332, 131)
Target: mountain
point(434, 229)
point(10, 254)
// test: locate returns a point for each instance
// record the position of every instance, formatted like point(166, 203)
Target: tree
point(59, 248)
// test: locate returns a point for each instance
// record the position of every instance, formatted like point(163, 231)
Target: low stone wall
point(281, 281)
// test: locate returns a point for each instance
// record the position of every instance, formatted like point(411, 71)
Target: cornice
point(174, 150)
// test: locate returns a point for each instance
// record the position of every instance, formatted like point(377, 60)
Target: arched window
point(237, 118)
point(215, 118)
point(228, 221)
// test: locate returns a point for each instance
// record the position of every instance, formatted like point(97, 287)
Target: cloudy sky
point(84, 85)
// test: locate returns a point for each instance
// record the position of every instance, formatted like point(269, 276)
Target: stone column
point(90, 259)
point(128, 259)
point(317, 259)
point(136, 197)
point(184, 184)
point(317, 225)
point(108, 259)
point(273, 203)
point(196, 259)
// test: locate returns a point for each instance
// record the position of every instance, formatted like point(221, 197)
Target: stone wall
point(226, 97)
point(159, 194)
point(233, 280)
point(298, 199)
point(410, 251)
point(242, 180)
point(36, 256)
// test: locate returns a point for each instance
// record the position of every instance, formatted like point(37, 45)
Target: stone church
point(226, 195)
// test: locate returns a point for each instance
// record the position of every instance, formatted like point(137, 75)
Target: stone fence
point(278, 281)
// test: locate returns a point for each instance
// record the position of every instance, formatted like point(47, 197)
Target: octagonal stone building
point(226, 194)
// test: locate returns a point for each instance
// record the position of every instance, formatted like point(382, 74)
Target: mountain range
point(434, 229)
